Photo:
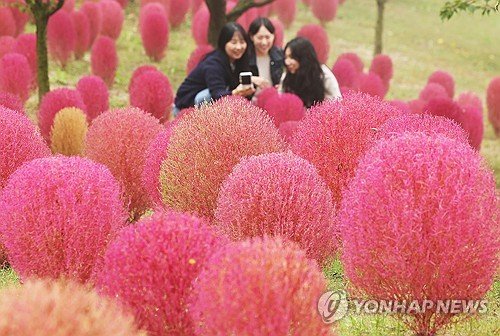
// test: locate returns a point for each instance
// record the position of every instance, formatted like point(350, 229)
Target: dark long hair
point(307, 82)
point(225, 35)
point(259, 22)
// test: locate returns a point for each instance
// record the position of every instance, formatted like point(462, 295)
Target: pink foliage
point(11, 101)
point(199, 25)
point(94, 16)
point(153, 24)
point(118, 139)
point(335, 135)
point(469, 99)
point(354, 59)
point(431, 91)
point(7, 22)
point(95, 95)
point(15, 75)
point(493, 103)
point(173, 247)
point(7, 45)
point(61, 227)
point(444, 106)
point(265, 95)
point(61, 37)
point(286, 10)
point(53, 102)
point(417, 106)
point(260, 276)
point(345, 72)
point(445, 80)
point(426, 207)
point(68, 6)
point(152, 92)
point(179, 9)
point(324, 10)
point(382, 66)
point(205, 146)
point(279, 32)
point(372, 84)
point(287, 129)
point(112, 18)
point(82, 29)
point(319, 39)
point(196, 56)
point(471, 119)
point(140, 71)
point(104, 59)
point(279, 194)
point(26, 45)
point(248, 17)
point(402, 105)
point(284, 107)
point(20, 17)
point(164, 3)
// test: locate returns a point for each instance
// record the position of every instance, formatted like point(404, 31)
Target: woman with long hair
point(305, 76)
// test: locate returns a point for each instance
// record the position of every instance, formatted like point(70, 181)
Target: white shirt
point(264, 66)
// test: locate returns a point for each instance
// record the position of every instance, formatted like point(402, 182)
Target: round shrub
point(279, 32)
point(417, 106)
point(444, 106)
point(199, 25)
point(11, 101)
point(156, 153)
point(372, 84)
point(20, 17)
point(57, 216)
point(138, 72)
point(153, 25)
point(61, 37)
point(206, 145)
point(265, 95)
point(334, 135)
point(402, 105)
point(284, 107)
point(279, 194)
point(287, 129)
point(258, 277)
point(104, 59)
point(68, 6)
point(15, 75)
point(426, 207)
point(286, 10)
point(354, 59)
point(471, 120)
point(324, 10)
point(178, 11)
point(346, 74)
point(82, 30)
point(112, 18)
point(7, 44)
point(95, 95)
point(319, 39)
point(173, 245)
point(7, 22)
point(47, 308)
point(196, 56)
point(152, 92)
point(445, 80)
point(68, 132)
point(382, 66)
point(53, 102)
point(26, 45)
point(94, 16)
point(469, 99)
point(431, 91)
point(118, 139)
point(493, 103)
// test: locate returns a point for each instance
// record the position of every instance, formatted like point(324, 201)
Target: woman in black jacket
point(217, 75)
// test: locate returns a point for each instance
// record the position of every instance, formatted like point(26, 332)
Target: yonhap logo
point(332, 306)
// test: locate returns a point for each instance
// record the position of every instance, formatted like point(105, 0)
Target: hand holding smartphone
point(246, 80)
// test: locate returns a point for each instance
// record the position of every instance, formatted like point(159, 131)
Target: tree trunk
point(379, 28)
point(217, 9)
point(41, 21)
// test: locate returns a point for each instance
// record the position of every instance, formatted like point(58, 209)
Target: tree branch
point(451, 8)
point(58, 6)
point(243, 6)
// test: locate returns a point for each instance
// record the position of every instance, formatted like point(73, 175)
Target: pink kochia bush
point(346, 74)
point(57, 215)
point(431, 91)
point(279, 32)
point(254, 278)
point(95, 95)
point(382, 66)
point(372, 84)
point(118, 139)
point(444, 106)
point(94, 16)
point(426, 207)
point(354, 59)
point(286, 10)
point(48, 308)
point(138, 72)
point(15, 75)
point(178, 11)
point(279, 194)
point(287, 129)
point(172, 246)
point(152, 92)
point(82, 30)
point(471, 119)
point(104, 59)
point(7, 22)
point(265, 95)
point(335, 135)
point(199, 25)
point(205, 146)
point(153, 25)
point(196, 56)
point(324, 10)
point(319, 39)
point(284, 107)
point(61, 37)
point(445, 80)
point(7, 45)
point(26, 45)
point(11, 101)
point(53, 102)
point(112, 18)
point(493, 103)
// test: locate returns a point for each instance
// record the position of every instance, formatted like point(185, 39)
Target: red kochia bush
point(178, 11)
point(95, 95)
point(402, 105)
point(15, 75)
point(205, 146)
point(45, 308)
point(324, 10)
point(279, 194)
point(153, 24)
point(354, 59)
point(284, 107)
point(104, 59)
point(426, 207)
point(287, 129)
point(444, 106)
point(196, 56)
point(152, 92)
point(493, 103)
point(26, 45)
point(417, 106)
point(265, 95)
point(445, 80)
point(53, 102)
point(61, 37)
point(254, 278)
point(333, 136)
point(94, 15)
point(173, 246)
point(431, 91)
point(382, 66)
point(471, 120)
point(469, 99)
point(372, 84)
point(112, 18)
point(345, 72)
point(199, 25)
point(279, 32)
point(7, 45)
point(138, 72)
point(7, 22)
point(20, 17)
point(319, 39)
point(286, 10)
point(118, 139)
point(82, 29)
point(11, 101)
point(57, 215)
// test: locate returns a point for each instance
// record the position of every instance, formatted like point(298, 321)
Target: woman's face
point(263, 41)
point(292, 65)
point(236, 47)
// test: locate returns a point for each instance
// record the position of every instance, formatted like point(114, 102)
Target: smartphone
point(246, 79)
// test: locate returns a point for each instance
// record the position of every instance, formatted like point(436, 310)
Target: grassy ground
point(418, 42)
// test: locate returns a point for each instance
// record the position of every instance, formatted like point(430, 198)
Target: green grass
point(418, 42)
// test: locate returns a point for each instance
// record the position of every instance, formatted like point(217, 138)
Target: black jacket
point(214, 73)
point(277, 63)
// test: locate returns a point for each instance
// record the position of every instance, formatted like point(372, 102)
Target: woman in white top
point(305, 76)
